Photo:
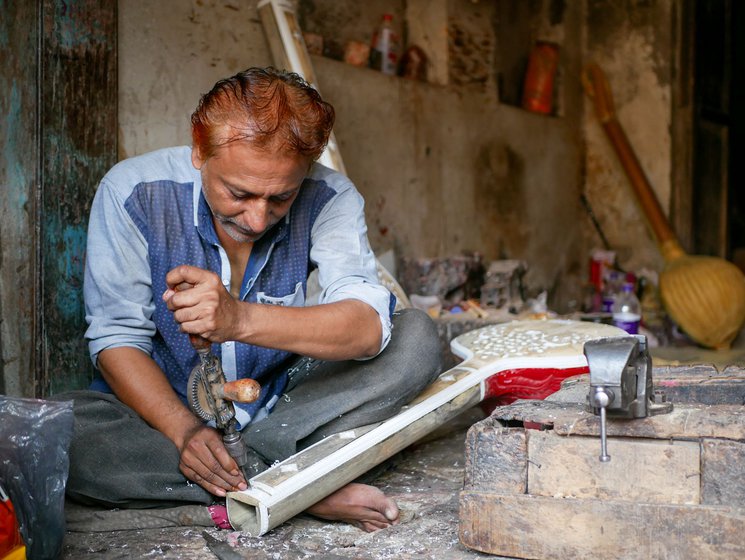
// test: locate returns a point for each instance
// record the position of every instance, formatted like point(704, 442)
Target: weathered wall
point(443, 169)
point(633, 43)
point(170, 53)
point(447, 169)
point(450, 169)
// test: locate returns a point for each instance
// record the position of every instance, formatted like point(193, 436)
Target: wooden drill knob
point(242, 391)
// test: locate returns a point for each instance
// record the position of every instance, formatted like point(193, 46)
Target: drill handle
point(241, 390)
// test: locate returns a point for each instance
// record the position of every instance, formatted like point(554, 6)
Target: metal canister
point(538, 89)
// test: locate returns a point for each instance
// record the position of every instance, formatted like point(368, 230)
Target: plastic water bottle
point(627, 310)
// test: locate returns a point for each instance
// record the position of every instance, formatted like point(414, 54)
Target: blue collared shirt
point(149, 215)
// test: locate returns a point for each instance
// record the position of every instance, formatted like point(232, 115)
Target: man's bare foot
point(361, 505)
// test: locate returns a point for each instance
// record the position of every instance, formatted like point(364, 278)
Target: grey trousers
point(118, 461)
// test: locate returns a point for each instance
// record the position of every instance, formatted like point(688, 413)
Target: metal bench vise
point(621, 382)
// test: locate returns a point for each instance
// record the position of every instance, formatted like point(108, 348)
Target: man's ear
point(196, 158)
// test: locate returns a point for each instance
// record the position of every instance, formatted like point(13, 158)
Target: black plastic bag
point(34, 463)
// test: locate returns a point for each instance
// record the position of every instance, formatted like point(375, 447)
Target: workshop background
point(448, 166)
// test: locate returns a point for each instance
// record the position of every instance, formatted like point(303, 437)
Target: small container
point(538, 89)
point(414, 64)
point(357, 53)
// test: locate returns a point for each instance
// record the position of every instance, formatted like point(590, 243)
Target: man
point(218, 241)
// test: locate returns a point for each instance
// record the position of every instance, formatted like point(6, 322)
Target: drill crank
point(211, 398)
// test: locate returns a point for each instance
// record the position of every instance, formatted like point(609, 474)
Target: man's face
point(249, 190)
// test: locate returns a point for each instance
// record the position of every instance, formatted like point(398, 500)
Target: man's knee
point(416, 344)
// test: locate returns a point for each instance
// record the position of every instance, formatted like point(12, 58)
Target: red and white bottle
point(384, 49)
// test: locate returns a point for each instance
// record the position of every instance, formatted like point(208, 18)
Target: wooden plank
point(292, 466)
point(694, 384)
point(685, 421)
point(723, 481)
point(682, 118)
point(674, 488)
point(496, 459)
point(644, 470)
point(255, 512)
point(524, 526)
point(711, 185)
point(701, 383)
point(78, 114)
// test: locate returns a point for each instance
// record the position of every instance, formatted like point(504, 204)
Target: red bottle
point(538, 89)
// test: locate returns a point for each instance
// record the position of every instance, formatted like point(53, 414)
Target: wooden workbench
point(674, 487)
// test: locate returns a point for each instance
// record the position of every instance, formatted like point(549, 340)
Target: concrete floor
point(425, 480)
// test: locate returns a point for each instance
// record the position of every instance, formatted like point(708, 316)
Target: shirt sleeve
point(117, 286)
point(346, 264)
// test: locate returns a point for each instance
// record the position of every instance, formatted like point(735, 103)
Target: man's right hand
point(205, 461)
point(140, 384)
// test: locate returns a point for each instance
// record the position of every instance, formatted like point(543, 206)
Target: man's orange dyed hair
point(269, 108)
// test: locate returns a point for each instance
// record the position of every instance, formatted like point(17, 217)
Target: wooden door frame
point(59, 105)
point(682, 113)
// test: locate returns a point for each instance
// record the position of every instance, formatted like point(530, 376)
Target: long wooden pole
point(704, 295)
point(597, 88)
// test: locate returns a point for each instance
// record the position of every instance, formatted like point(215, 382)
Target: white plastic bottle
point(384, 51)
point(627, 312)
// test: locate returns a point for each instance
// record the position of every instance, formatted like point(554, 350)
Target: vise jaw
point(621, 382)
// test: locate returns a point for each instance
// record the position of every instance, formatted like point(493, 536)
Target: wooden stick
point(290, 53)
point(597, 88)
point(300, 481)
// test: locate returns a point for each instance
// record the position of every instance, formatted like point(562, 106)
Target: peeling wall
point(444, 171)
point(450, 169)
point(632, 42)
point(78, 116)
point(58, 110)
